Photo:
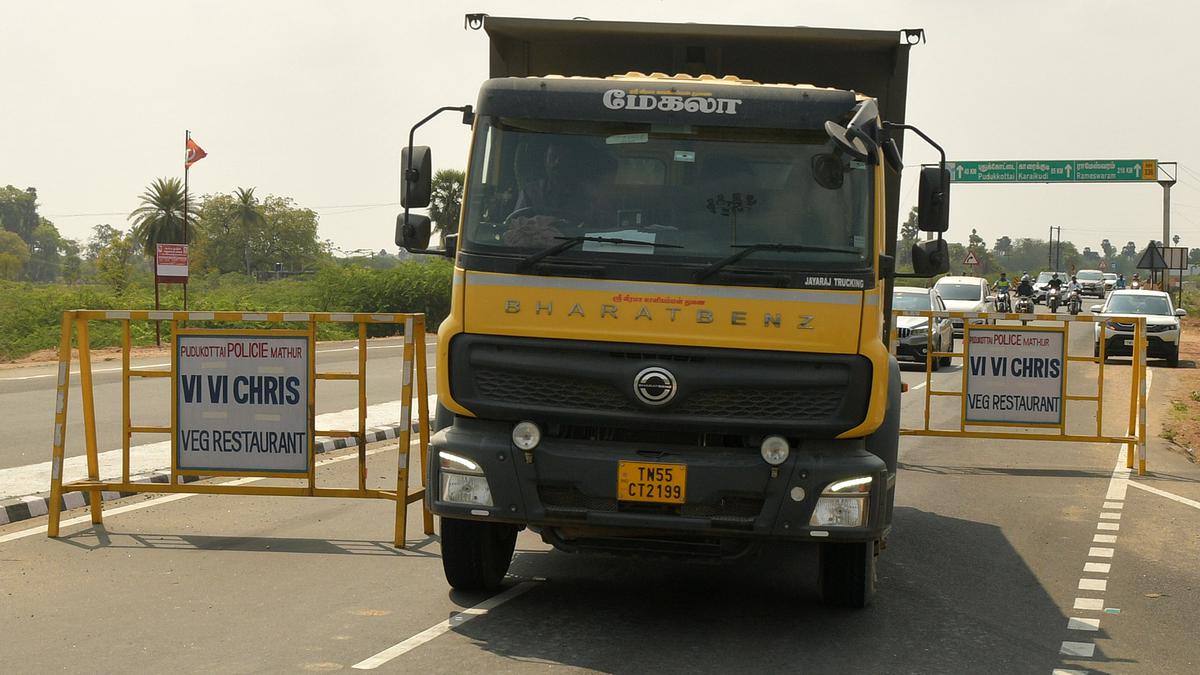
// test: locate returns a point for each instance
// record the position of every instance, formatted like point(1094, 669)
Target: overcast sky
point(313, 100)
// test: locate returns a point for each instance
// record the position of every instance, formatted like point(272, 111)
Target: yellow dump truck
point(671, 295)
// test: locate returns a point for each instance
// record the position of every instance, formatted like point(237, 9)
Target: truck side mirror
point(930, 258)
point(413, 231)
point(933, 201)
point(416, 177)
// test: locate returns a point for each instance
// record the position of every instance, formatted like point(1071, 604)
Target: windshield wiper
point(569, 242)
point(747, 249)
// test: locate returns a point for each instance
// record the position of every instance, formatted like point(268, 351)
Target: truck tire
point(848, 574)
point(475, 555)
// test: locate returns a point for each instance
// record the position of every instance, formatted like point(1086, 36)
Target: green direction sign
point(1054, 171)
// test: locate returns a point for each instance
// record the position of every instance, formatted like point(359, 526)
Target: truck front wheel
point(475, 555)
point(848, 574)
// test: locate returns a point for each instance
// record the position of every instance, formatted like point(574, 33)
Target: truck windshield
point(690, 194)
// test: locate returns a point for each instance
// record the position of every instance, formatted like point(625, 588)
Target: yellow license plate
point(651, 482)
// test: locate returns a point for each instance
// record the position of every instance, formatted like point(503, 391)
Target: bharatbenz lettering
point(670, 295)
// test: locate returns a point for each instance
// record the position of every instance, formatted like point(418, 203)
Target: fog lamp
point(775, 450)
point(526, 435)
point(465, 489)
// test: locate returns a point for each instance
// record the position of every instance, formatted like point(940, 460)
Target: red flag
point(194, 154)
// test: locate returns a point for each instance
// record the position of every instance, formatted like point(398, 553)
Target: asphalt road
point(992, 543)
point(27, 397)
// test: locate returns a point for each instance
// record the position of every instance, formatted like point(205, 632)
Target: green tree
point(248, 220)
point(113, 262)
point(14, 255)
point(1129, 250)
point(72, 263)
point(44, 247)
point(229, 241)
point(102, 236)
point(18, 212)
point(1003, 245)
point(1194, 256)
point(1175, 239)
point(1109, 250)
point(160, 218)
point(909, 229)
point(445, 202)
point(975, 241)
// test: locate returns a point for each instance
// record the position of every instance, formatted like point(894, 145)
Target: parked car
point(1162, 324)
point(1110, 281)
point(912, 332)
point(1039, 285)
point(965, 294)
point(1091, 282)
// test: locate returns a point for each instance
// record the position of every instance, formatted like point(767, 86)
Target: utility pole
point(1052, 256)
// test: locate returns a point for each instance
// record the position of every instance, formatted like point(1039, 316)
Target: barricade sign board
point(242, 403)
point(1015, 376)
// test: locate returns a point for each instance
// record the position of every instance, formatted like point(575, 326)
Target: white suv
point(1162, 324)
point(965, 294)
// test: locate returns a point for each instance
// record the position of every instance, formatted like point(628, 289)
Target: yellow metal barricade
point(183, 324)
point(1135, 437)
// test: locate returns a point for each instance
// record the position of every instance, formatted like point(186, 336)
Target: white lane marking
point(442, 628)
point(1113, 505)
point(163, 365)
point(1083, 649)
point(1076, 623)
point(1169, 495)
point(1093, 584)
point(917, 386)
point(1104, 539)
point(166, 499)
point(1068, 671)
point(1089, 603)
point(1097, 568)
point(1100, 552)
point(1112, 527)
point(1110, 516)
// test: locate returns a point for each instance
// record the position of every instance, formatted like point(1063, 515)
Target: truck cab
point(669, 304)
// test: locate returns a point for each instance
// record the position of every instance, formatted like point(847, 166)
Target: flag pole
point(186, 167)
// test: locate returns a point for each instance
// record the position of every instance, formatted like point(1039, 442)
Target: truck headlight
point(843, 504)
point(462, 488)
point(919, 330)
point(775, 450)
point(526, 435)
point(463, 481)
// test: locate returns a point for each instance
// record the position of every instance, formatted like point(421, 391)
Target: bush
point(31, 314)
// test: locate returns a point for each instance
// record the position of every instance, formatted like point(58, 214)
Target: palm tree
point(160, 218)
point(247, 217)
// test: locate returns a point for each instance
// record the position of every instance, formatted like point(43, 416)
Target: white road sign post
point(242, 403)
point(1016, 376)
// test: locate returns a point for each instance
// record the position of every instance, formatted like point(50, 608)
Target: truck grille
point(903, 332)
point(592, 383)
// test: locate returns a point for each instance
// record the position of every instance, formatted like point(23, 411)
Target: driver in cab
point(565, 199)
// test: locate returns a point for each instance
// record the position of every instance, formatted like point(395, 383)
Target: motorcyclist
point(1054, 282)
point(1073, 285)
point(1025, 287)
point(1135, 282)
point(1120, 285)
point(1001, 289)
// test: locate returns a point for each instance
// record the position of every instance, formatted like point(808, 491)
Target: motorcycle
point(1052, 299)
point(1024, 304)
point(1074, 302)
point(1136, 285)
point(1003, 302)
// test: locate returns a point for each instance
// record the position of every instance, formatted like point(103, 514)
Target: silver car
point(912, 332)
point(1162, 324)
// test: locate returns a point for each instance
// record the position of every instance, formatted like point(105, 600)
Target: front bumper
point(1092, 289)
point(570, 487)
point(1158, 345)
point(914, 348)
